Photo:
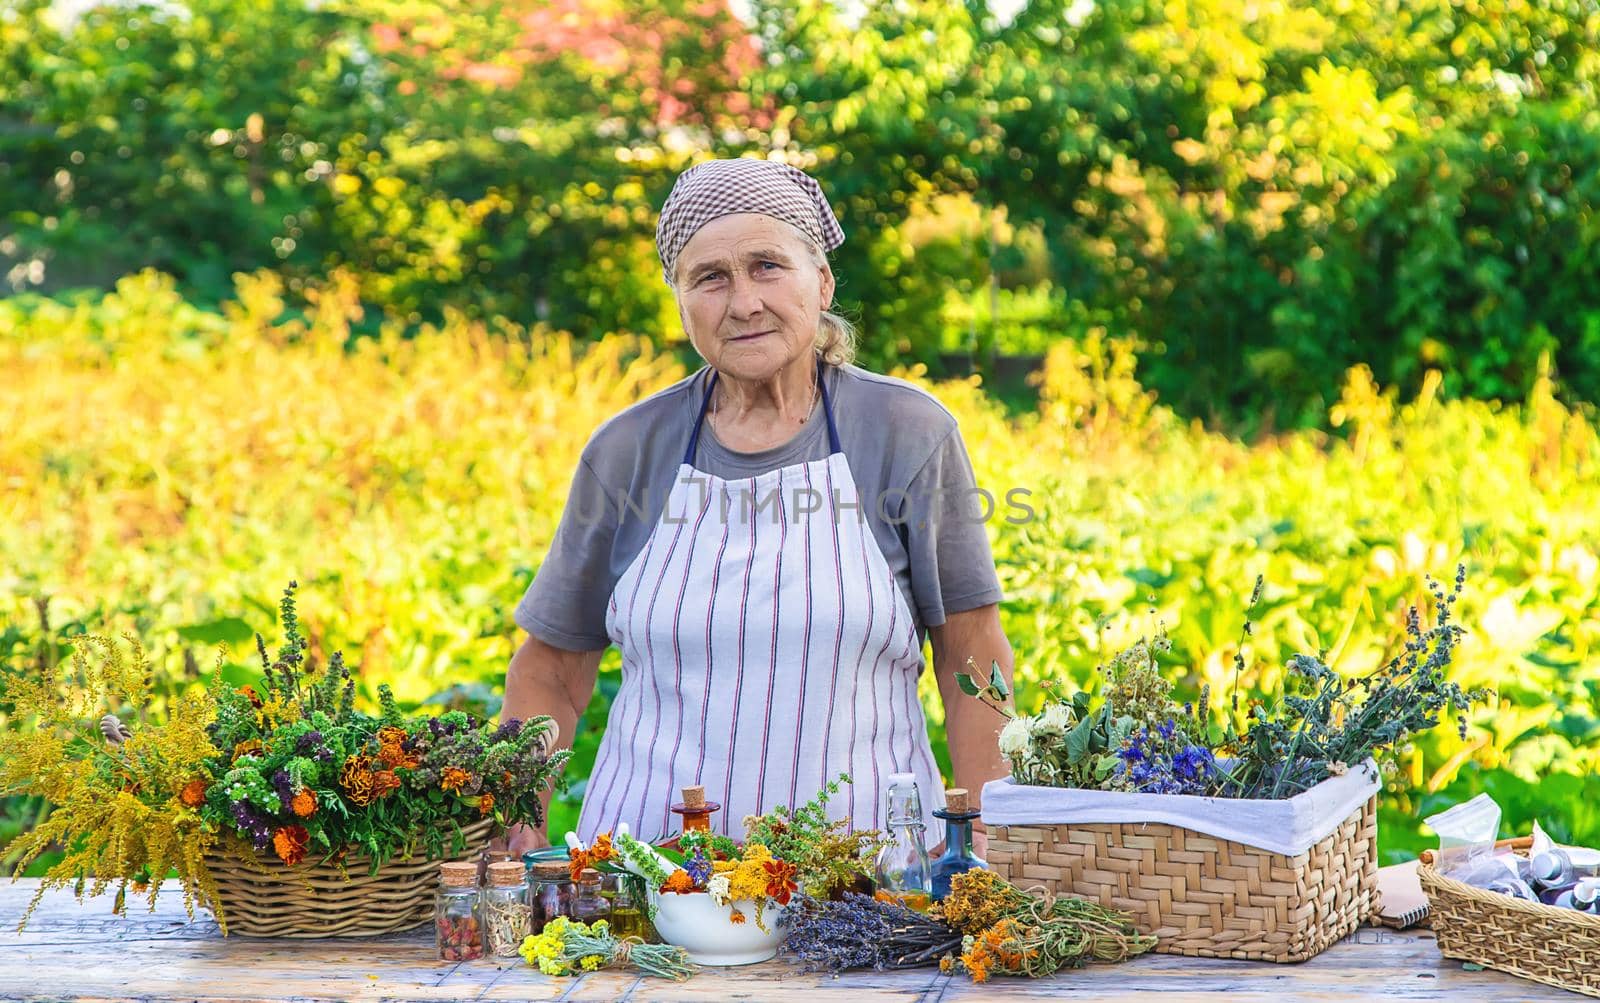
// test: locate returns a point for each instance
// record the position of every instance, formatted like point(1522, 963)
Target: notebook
point(1403, 903)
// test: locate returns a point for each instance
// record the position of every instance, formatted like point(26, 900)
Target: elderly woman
point(768, 542)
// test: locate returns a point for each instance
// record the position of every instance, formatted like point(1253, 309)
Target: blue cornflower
point(1192, 762)
point(699, 867)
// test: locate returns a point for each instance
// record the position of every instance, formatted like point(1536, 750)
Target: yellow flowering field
point(169, 470)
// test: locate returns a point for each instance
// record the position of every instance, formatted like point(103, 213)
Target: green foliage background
point(1264, 193)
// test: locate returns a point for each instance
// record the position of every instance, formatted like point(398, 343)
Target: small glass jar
point(588, 905)
point(550, 893)
point(507, 918)
point(457, 920)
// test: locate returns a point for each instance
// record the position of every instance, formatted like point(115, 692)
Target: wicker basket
point(1557, 946)
point(260, 897)
point(1202, 896)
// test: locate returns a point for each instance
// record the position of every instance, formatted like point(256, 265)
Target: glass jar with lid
point(507, 917)
point(457, 920)
point(550, 892)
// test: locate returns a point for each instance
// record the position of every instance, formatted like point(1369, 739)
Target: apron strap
point(827, 411)
point(694, 437)
point(705, 404)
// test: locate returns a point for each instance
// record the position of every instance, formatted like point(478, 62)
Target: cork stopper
point(459, 873)
point(505, 872)
point(957, 806)
point(547, 869)
point(588, 876)
point(694, 797)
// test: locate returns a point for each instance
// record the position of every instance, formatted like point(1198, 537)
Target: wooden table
point(73, 951)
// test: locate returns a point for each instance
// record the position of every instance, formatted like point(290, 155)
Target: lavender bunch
point(858, 931)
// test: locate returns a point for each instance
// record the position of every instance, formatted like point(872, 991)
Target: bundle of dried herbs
point(1327, 724)
point(1008, 931)
point(829, 856)
point(1133, 735)
point(859, 931)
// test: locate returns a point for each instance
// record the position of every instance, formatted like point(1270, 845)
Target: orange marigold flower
point(303, 803)
point(679, 882)
point(602, 848)
point(390, 756)
point(390, 735)
point(976, 962)
point(248, 747)
point(780, 880)
point(356, 779)
point(453, 779)
point(486, 804)
point(193, 794)
point(251, 695)
point(290, 842)
point(384, 783)
point(736, 917)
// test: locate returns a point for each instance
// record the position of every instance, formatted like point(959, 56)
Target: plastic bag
point(1467, 832)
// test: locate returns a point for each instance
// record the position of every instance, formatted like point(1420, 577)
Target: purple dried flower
point(251, 825)
point(281, 784)
point(699, 867)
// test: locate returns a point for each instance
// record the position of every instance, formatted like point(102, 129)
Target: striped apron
point(766, 648)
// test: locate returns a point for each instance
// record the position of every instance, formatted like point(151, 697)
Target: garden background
point(335, 291)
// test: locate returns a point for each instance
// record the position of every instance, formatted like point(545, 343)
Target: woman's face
point(750, 295)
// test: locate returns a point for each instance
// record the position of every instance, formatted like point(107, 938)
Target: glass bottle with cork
point(457, 919)
point(695, 810)
point(588, 905)
point(958, 856)
point(903, 873)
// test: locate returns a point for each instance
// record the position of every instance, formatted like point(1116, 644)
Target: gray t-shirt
point(905, 453)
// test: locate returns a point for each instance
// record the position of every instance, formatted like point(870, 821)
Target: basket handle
point(1514, 843)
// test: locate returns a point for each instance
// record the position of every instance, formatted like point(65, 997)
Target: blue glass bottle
point(958, 857)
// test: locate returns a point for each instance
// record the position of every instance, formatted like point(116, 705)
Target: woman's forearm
point(545, 680)
point(972, 728)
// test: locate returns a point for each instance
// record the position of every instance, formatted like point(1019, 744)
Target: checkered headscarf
point(719, 187)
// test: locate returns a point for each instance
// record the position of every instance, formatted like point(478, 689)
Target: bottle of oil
point(627, 919)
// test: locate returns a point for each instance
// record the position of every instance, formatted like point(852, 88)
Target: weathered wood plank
point(81, 951)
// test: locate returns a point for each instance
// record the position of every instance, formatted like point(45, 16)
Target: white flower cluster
point(1029, 742)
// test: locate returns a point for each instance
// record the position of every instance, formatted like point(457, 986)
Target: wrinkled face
point(750, 294)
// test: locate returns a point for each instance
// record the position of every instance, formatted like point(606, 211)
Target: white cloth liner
point(1289, 826)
